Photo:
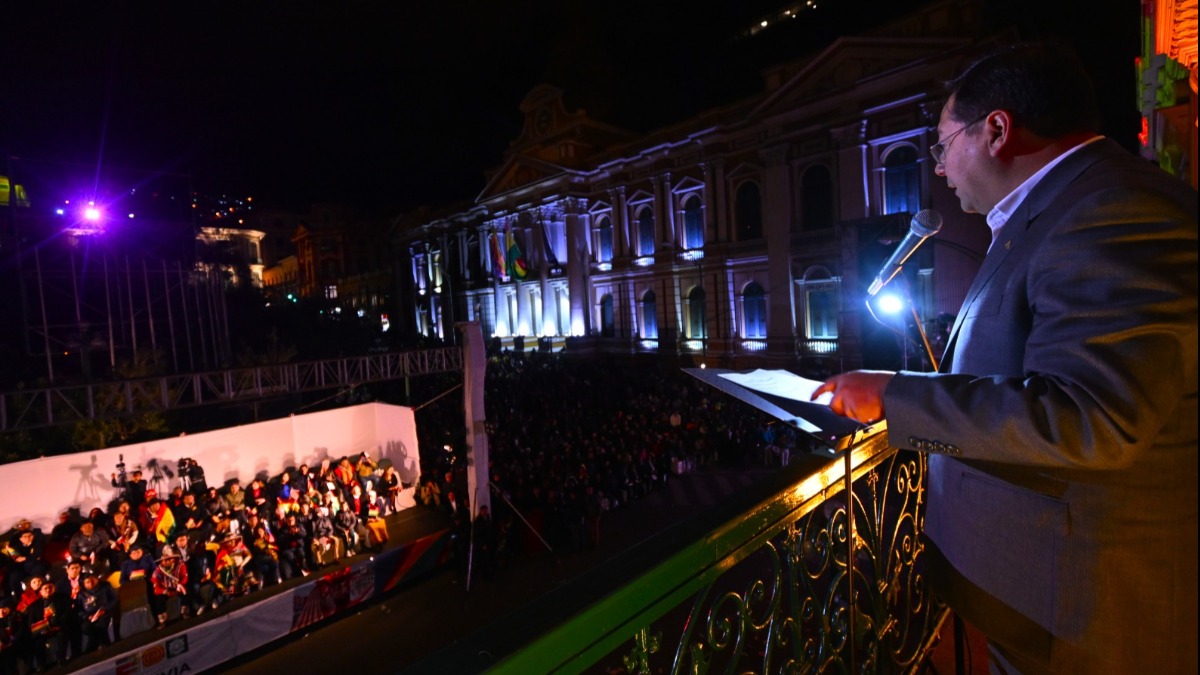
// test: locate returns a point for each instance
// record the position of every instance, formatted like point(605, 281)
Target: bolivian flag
point(517, 268)
point(164, 524)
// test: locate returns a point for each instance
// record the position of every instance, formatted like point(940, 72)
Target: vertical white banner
point(474, 369)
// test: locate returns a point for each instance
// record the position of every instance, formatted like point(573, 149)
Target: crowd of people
point(181, 554)
point(616, 434)
point(572, 439)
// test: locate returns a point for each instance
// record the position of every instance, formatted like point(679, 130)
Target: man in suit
point(1062, 429)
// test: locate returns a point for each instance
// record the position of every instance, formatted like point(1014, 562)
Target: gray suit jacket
point(1063, 469)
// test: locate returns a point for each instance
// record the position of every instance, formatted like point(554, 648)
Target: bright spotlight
point(91, 213)
point(890, 303)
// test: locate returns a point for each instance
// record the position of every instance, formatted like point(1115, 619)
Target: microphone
point(924, 225)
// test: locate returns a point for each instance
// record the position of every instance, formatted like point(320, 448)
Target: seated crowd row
point(180, 554)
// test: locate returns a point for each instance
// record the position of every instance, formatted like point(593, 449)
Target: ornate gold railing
point(790, 580)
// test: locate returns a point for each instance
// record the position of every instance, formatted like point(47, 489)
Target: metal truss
point(33, 408)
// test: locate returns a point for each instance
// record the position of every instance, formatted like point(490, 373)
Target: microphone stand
point(920, 328)
point(903, 283)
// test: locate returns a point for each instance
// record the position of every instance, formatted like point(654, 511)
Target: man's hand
point(857, 394)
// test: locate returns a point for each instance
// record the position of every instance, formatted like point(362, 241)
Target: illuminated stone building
point(746, 234)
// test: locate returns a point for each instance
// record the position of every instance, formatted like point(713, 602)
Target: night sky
point(397, 104)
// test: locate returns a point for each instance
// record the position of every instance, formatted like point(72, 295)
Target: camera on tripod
point(191, 476)
point(121, 479)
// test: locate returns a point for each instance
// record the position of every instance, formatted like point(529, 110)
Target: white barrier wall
point(40, 489)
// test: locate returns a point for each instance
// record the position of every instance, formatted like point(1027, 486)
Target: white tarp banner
point(205, 646)
point(40, 489)
point(474, 370)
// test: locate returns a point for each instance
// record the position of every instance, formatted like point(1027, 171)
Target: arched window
point(645, 225)
point(748, 210)
point(695, 328)
point(901, 181)
point(604, 233)
point(607, 324)
point(649, 316)
point(693, 223)
point(816, 198)
point(754, 311)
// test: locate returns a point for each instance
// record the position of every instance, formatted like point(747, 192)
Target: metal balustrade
point(793, 580)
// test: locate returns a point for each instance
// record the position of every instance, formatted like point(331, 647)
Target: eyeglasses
point(938, 150)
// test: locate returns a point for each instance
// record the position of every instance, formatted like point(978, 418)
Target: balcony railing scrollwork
point(795, 579)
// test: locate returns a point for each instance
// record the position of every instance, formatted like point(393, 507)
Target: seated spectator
point(348, 528)
point(168, 582)
point(293, 548)
point(327, 548)
point(137, 570)
point(389, 487)
point(69, 580)
point(123, 533)
point(257, 498)
point(233, 559)
point(174, 499)
point(60, 537)
point(344, 476)
point(26, 553)
point(366, 470)
point(324, 475)
point(161, 521)
point(190, 518)
point(286, 495)
point(32, 591)
point(233, 502)
point(331, 501)
point(303, 483)
point(372, 516)
point(48, 621)
point(200, 561)
point(142, 511)
point(98, 517)
point(264, 555)
point(91, 546)
point(13, 638)
point(95, 607)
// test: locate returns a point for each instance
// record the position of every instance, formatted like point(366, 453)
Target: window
point(645, 227)
point(901, 181)
point(649, 316)
point(821, 303)
point(604, 232)
point(607, 324)
point(748, 211)
point(695, 326)
point(754, 311)
point(693, 223)
point(816, 198)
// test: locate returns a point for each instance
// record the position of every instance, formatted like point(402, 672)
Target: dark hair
point(1042, 84)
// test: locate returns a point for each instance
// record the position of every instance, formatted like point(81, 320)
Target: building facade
point(747, 234)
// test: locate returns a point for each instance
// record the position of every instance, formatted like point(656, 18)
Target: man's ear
point(999, 130)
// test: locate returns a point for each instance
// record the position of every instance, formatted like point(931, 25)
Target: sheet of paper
point(779, 383)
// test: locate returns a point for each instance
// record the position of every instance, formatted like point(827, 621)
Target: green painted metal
point(623, 616)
